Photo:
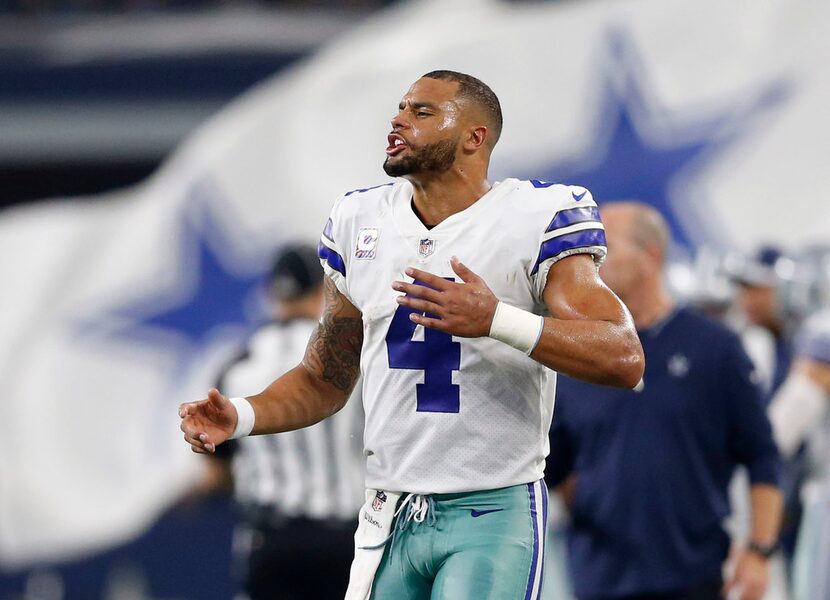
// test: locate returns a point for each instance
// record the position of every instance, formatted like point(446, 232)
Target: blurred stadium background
point(154, 154)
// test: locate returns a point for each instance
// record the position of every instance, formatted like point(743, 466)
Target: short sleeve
point(574, 228)
point(331, 252)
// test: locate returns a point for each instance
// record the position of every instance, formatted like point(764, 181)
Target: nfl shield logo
point(379, 500)
point(426, 247)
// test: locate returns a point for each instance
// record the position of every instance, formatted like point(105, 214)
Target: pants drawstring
point(419, 508)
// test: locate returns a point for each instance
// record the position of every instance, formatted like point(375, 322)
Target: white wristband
point(245, 418)
point(516, 327)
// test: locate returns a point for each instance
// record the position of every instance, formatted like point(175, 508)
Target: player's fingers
point(438, 324)
point(189, 428)
point(207, 443)
point(201, 441)
point(185, 409)
point(420, 305)
point(194, 441)
point(466, 275)
point(433, 281)
point(418, 291)
point(199, 450)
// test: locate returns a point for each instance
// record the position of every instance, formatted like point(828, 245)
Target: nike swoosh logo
point(477, 513)
point(579, 197)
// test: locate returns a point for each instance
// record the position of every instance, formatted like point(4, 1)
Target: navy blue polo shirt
point(653, 467)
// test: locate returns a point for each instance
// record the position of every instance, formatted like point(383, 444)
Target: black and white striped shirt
point(316, 472)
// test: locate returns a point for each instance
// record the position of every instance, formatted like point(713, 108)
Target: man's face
point(759, 304)
point(623, 269)
point(426, 131)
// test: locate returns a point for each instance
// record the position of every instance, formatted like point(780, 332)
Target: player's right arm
point(315, 389)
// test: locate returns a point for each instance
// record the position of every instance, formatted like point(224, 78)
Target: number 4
point(437, 356)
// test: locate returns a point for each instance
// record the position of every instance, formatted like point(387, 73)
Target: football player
point(434, 285)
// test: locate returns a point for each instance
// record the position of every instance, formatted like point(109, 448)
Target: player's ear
point(476, 138)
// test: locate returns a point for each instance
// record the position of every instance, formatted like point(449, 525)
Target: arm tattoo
point(333, 353)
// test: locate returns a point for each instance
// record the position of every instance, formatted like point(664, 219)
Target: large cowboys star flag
point(116, 309)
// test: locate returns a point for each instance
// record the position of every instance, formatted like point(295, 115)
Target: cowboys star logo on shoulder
point(679, 365)
point(380, 499)
point(426, 247)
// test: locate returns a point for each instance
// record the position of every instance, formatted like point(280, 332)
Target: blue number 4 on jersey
point(437, 356)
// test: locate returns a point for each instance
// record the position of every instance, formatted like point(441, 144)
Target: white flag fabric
point(116, 309)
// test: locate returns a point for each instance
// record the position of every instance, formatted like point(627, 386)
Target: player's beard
point(437, 157)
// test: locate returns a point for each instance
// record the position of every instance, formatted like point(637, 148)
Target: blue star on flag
point(217, 297)
point(643, 154)
point(210, 299)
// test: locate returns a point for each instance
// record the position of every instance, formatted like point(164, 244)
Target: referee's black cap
point(296, 272)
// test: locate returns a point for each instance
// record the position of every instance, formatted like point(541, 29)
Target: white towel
point(373, 529)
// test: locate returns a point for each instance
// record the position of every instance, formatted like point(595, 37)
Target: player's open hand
point(464, 309)
point(207, 423)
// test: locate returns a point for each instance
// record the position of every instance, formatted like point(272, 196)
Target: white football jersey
point(448, 414)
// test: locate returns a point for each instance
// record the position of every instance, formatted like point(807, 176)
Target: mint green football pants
point(485, 545)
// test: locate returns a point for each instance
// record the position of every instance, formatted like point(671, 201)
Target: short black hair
point(477, 91)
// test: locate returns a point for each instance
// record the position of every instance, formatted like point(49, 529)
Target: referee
point(299, 491)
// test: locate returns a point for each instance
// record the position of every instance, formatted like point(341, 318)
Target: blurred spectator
point(759, 302)
point(765, 328)
point(299, 491)
point(800, 412)
point(645, 472)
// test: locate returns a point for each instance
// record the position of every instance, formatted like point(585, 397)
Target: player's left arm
point(590, 334)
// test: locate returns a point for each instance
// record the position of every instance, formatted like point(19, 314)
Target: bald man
point(645, 472)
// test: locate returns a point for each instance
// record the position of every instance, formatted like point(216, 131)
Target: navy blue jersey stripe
point(570, 241)
point(532, 577)
point(334, 260)
point(573, 215)
point(368, 189)
point(544, 489)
